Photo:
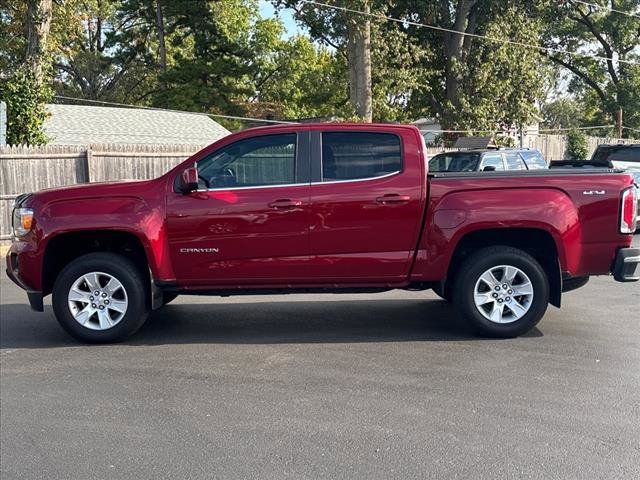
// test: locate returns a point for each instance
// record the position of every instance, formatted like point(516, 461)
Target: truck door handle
point(393, 198)
point(284, 203)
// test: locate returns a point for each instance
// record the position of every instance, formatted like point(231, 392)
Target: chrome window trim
point(322, 182)
point(224, 189)
point(352, 180)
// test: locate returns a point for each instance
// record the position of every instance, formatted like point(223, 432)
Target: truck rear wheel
point(502, 291)
point(100, 298)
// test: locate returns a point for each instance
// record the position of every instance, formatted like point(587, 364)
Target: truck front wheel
point(100, 298)
point(502, 291)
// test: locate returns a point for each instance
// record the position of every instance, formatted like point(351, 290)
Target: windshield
point(454, 162)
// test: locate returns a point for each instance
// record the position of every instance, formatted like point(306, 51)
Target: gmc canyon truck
point(322, 208)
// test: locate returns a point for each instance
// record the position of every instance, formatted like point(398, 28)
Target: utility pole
point(619, 122)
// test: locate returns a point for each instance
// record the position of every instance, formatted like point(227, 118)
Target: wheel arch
point(539, 243)
point(64, 247)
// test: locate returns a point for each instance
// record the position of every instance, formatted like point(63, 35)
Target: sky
point(286, 15)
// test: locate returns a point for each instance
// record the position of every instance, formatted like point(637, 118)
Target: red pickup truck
point(322, 208)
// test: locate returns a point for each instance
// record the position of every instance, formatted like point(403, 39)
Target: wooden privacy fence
point(29, 169)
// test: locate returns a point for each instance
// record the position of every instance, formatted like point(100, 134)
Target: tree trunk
point(162, 48)
point(37, 31)
point(455, 46)
point(359, 59)
point(162, 53)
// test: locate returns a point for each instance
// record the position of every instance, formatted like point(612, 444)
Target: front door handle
point(285, 203)
point(391, 198)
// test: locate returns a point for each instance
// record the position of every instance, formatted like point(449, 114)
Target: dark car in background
point(626, 157)
point(488, 160)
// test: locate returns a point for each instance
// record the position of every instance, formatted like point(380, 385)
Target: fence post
point(82, 166)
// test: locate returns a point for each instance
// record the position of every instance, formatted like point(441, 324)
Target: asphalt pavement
point(389, 385)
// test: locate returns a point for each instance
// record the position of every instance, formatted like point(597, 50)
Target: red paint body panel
point(338, 235)
point(354, 237)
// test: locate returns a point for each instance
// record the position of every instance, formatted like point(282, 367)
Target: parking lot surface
point(326, 386)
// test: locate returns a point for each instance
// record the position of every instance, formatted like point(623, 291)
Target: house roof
point(83, 124)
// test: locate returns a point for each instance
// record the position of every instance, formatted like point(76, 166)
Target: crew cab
point(321, 208)
point(488, 160)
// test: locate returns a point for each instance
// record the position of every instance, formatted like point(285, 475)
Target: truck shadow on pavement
point(261, 323)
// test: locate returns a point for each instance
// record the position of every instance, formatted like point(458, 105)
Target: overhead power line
point(531, 46)
point(141, 107)
point(608, 9)
point(526, 132)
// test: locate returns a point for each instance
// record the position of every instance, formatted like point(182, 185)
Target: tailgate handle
point(285, 203)
point(393, 198)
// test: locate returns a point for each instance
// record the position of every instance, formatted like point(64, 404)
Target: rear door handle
point(285, 203)
point(393, 198)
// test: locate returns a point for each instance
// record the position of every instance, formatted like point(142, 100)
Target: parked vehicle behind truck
point(488, 160)
point(321, 208)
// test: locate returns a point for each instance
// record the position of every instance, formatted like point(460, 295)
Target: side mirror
point(189, 180)
point(489, 168)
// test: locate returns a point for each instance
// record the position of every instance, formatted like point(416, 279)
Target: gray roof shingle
point(83, 124)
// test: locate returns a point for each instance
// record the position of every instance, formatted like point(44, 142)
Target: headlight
point(22, 221)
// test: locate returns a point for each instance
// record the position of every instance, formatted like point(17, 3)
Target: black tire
point(168, 297)
point(443, 292)
point(129, 277)
point(481, 261)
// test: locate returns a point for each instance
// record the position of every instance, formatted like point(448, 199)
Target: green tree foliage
point(577, 146)
point(563, 113)
point(602, 85)
point(25, 97)
point(478, 83)
point(400, 64)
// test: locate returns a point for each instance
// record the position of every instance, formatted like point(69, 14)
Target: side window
point(257, 161)
point(628, 154)
point(534, 160)
point(358, 155)
point(492, 160)
point(514, 162)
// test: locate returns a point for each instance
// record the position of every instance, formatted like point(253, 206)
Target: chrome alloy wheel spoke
point(503, 294)
point(97, 300)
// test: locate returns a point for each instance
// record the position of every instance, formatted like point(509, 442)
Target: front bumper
point(35, 296)
point(626, 267)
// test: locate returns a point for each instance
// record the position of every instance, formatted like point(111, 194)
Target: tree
point(563, 113)
point(296, 79)
point(26, 97)
point(577, 146)
point(37, 31)
point(477, 83)
point(383, 71)
point(609, 82)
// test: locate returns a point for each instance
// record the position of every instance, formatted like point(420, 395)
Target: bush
point(26, 100)
point(577, 145)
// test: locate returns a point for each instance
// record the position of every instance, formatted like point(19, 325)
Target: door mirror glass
point(189, 180)
point(489, 168)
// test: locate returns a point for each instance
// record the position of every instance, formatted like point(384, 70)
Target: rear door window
point(359, 155)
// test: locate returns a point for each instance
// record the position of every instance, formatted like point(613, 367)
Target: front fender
point(118, 213)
